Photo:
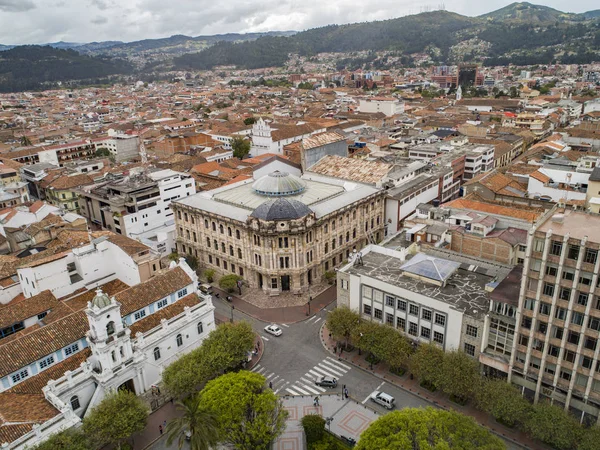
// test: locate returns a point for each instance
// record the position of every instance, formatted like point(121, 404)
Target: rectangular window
point(401, 323)
point(529, 304)
point(469, 349)
point(471, 331)
point(273, 283)
point(71, 349)
point(548, 289)
point(573, 337)
point(389, 301)
point(401, 305)
point(591, 256)
point(389, 318)
point(46, 362)
point(367, 309)
point(594, 323)
point(378, 314)
point(586, 279)
point(568, 275)
point(554, 351)
point(425, 333)
point(577, 318)
point(552, 271)
point(182, 293)
point(438, 337)
point(545, 308)
point(426, 314)
point(556, 248)
point(582, 299)
point(526, 322)
point(560, 313)
point(20, 376)
point(412, 328)
point(538, 245)
point(440, 319)
point(573, 252)
point(139, 314)
point(162, 303)
point(565, 293)
point(414, 310)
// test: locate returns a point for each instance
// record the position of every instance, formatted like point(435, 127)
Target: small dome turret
point(101, 300)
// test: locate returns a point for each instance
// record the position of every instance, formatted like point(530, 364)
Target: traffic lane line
point(376, 389)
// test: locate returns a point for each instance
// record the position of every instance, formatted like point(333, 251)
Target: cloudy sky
point(42, 21)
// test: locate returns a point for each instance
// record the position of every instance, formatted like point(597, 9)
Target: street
point(293, 360)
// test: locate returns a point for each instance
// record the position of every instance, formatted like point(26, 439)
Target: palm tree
point(197, 422)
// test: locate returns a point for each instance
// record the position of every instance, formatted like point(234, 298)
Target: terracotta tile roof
point(537, 175)
point(128, 245)
point(70, 182)
point(529, 214)
point(28, 307)
point(44, 260)
point(156, 288)
point(42, 342)
point(153, 320)
point(36, 206)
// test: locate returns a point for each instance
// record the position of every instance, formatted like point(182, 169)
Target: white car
point(273, 329)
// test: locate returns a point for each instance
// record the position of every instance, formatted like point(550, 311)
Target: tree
point(513, 92)
point(341, 322)
point(427, 428)
point(195, 419)
point(229, 282)
point(224, 349)
point(591, 438)
point(102, 152)
point(192, 261)
point(25, 141)
point(553, 425)
point(314, 428)
point(240, 146)
point(460, 375)
point(503, 401)
point(70, 439)
point(426, 364)
point(210, 275)
point(173, 256)
point(249, 121)
point(396, 349)
point(116, 418)
point(250, 416)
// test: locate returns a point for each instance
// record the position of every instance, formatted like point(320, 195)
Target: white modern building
point(138, 206)
point(389, 106)
point(271, 138)
point(122, 147)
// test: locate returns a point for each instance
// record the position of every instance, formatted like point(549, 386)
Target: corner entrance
point(128, 386)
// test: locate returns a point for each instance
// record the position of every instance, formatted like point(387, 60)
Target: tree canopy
point(553, 425)
point(503, 401)
point(341, 322)
point(427, 364)
point(116, 418)
point(428, 428)
point(249, 416)
point(222, 350)
point(240, 146)
point(69, 439)
point(198, 421)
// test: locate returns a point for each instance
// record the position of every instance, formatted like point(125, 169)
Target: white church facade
point(84, 347)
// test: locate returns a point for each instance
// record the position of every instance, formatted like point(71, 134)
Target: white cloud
point(128, 20)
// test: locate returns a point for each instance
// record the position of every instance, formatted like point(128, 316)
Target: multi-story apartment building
point(280, 232)
point(138, 206)
point(555, 353)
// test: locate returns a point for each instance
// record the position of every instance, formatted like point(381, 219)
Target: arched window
point(75, 403)
point(179, 340)
point(113, 356)
point(240, 253)
point(110, 328)
point(156, 354)
point(221, 229)
point(229, 231)
point(208, 242)
point(200, 328)
point(231, 250)
point(237, 234)
point(205, 223)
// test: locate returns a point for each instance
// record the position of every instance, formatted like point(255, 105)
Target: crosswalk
point(314, 319)
point(306, 384)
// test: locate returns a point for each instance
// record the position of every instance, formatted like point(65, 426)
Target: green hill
point(32, 67)
point(524, 12)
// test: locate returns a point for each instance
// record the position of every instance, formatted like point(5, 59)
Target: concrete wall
point(313, 155)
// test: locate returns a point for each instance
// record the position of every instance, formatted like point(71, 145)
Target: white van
point(385, 400)
point(206, 289)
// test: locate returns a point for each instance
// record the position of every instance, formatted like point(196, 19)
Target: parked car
point(383, 399)
point(348, 440)
point(273, 329)
point(326, 382)
point(206, 288)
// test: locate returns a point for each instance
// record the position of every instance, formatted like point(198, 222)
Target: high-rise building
point(555, 351)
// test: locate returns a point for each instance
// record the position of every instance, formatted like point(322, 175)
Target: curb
point(415, 394)
point(260, 353)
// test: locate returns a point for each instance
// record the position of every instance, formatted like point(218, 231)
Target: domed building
point(280, 231)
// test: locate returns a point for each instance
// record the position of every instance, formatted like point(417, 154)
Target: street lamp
point(232, 308)
point(328, 421)
point(309, 300)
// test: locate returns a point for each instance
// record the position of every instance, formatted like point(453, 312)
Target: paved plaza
point(350, 418)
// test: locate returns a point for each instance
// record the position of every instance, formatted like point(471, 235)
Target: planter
point(459, 401)
point(372, 360)
point(397, 371)
point(427, 385)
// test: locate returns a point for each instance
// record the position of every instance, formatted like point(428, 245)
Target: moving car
point(385, 400)
point(273, 329)
point(326, 382)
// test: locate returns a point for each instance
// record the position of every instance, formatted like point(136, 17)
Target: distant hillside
point(524, 12)
point(446, 37)
point(405, 35)
point(591, 14)
point(33, 67)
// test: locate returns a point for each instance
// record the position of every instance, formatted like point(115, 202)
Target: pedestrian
point(257, 344)
point(335, 349)
point(270, 385)
point(315, 401)
point(341, 350)
point(256, 350)
point(165, 424)
point(346, 393)
point(344, 388)
point(317, 398)
point(160, 428)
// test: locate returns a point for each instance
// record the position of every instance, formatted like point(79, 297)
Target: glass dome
point(279, 184)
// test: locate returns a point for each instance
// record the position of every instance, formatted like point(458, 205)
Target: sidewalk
point(438, 399)
point(151, 434)
point(290, 314)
